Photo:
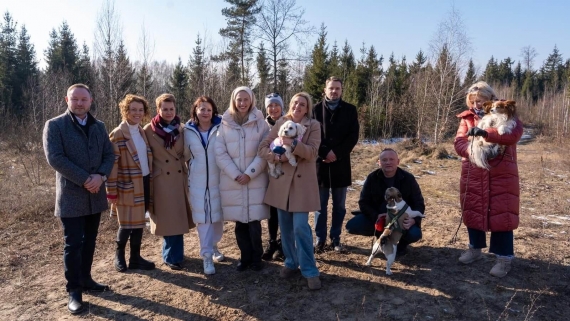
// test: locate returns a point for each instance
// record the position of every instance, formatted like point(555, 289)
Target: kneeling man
point(372, 203)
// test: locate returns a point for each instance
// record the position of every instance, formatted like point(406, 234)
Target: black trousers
point(146, 188)
point(248, 236)
point(80, 235)
point(273, 223)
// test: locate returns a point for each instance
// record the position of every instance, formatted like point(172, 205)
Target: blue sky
point(498, 28)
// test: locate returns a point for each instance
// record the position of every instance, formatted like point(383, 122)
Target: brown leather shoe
point(314, 283)
point(287, 273)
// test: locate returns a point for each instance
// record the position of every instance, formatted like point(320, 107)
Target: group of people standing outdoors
point(213, 169)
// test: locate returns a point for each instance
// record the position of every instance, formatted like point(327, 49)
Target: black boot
point(270, 250)
point(122, 238)
point(279, 255)
point(75, 305)
point(136, 262)
point(120, 262)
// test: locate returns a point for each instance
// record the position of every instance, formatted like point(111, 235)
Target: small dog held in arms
point(387, 243)
point(499, 114)
point(288, 129)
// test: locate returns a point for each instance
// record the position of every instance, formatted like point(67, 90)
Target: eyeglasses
point(272, 95)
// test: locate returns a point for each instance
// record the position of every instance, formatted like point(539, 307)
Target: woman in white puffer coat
point(200, 134)
point(243, 178)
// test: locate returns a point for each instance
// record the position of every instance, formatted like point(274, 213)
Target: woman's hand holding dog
point(476, 131)
point(286, 140)
point(243, 179)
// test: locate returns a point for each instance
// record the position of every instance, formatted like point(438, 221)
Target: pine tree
point(316, 72)
point(178, 86)
point(504, 72)
point(491, 73)
point(26, 69)
point(8, 59)
point(62, 53)
point(125, 74)
point(552, 71)
point(144, 81)
point(240, 19)
point(85, 72)
point(197, 69)
point(470, 75)
point(334, 62)
point(347, 62)
point(263, 70)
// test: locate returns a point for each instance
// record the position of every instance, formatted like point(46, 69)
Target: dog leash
point(454, 238)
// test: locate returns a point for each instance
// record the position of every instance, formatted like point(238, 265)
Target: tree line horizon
point(417, 99)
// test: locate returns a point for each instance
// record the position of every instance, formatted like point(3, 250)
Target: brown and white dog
point(387, 243)
point(288, 129)
point(499, 114)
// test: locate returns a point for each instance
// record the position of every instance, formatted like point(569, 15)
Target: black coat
point(372, 200)
point(339, 133)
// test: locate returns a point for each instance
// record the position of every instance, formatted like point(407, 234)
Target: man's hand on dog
point(243, 179)
point(408, 222)
point(331, 157)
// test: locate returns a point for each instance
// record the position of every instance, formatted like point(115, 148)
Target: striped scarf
point(168, 132)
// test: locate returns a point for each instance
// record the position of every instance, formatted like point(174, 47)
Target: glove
point(476, 131)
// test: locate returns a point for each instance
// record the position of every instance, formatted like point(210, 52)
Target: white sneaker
point(209, 264)
point(218, 256)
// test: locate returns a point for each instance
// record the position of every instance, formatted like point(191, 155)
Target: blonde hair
point(480, 89)
point(164, 97)
point(126, 103)
point(307, 97)
point(233, 106)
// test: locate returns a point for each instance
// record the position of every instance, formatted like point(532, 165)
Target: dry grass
point(427, 284)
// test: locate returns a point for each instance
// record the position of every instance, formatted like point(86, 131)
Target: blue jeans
point(338, 212)
point(297, 242)
point(361, 225)
point(173, 249)
point(501, 242)
point(80, 235)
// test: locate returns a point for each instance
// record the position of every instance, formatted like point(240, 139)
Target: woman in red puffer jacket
point(489, 198)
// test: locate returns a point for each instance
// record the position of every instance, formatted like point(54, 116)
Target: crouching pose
point(128, 186)
point(372, 201)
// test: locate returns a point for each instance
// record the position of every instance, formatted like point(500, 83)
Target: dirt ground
point(427, 284)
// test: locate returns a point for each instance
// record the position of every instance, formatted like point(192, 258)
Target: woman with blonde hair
point(489, 198)
point(128, 186)
point(243, 178)
point(296, 192)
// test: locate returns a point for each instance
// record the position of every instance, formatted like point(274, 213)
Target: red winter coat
point(490, 198)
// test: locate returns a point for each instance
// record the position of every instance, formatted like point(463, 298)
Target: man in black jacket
point(339, 135)
point(372, 203)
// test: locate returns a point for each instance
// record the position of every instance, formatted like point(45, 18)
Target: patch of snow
point(358, 182)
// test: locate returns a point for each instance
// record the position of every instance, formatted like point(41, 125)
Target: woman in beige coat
point(243, 178)
point(128, 186)
point(296, 192)
point(170, 214)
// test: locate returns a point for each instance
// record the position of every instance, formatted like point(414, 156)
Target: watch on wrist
point(294, 143)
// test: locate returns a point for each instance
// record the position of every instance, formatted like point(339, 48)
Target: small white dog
point(288, 129)
point(498, 114)
point(387, 243)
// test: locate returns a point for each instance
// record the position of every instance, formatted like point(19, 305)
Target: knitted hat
point(274, 98)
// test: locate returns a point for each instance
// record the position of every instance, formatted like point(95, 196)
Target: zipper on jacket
point(208, 199)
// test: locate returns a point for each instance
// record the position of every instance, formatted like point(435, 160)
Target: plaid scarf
point(168, 132)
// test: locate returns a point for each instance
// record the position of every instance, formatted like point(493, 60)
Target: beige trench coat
point(170, 212)
point(297, 190)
